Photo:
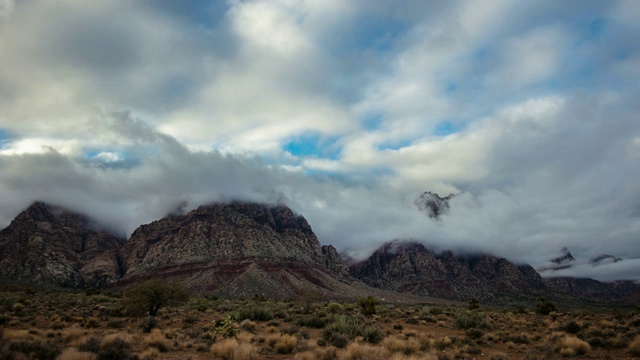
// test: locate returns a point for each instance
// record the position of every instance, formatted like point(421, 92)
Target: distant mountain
point(433, 205)
point(411, 267)
point(237, 249)
point(241, 249)
point(603, 259)
point(561, 262)
point(49, 245)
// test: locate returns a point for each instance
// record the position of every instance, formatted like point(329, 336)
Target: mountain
point(49, 245)
point(231, 250)
point(561, 262)
point(603, 259)
point(237, 249)
point(433, 205)
point(411, 267)
point(241, 249)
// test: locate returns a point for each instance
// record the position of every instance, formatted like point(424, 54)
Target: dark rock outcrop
point(49, 245)
point(411, 267)
point(433, 205)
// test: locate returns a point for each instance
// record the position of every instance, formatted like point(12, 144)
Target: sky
point(346, 111)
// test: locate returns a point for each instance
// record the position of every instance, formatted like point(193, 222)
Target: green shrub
point(116, 349)
point(368, 305)
point(91, 345)
point(253, 313)
point(313, 322)
point(572, 327)
point(226, 327)
point(470, 319)
point(474, 333)
point(545, 307)
point(36, 349)
point(474, 304)
point(350, 328)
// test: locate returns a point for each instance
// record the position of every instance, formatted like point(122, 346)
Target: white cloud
point(540, 99)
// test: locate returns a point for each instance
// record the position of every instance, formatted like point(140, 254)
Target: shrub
point(91, 322)
point(73, 354)
point(35, 349)
point(231, 349)
point(469, 319)
point(634, 347)
point(474, 333)
point(545, 307)
point(253, 313)
point(404, 346)
point(92, 344)
point(285, 344)
point(149, 324)
point(570, 346)
point(116, 349)
point(313, 322)
point(368, 305)
point(334, 307)
point(150, 296)
point(157, 340)
point(357, 351)
point(350, 328)
point(572, 327)
point(226, 327)
point(474, 304)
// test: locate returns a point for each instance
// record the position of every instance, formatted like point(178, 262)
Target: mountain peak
point(50, 245)
point(432, 204)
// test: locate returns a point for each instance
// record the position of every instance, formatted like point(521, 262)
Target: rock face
point(432, 204)
point(49, 245)
point(410, 267)
point(583, 288)
point(236, 249)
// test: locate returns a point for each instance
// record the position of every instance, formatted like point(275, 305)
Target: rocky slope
point(49, 245)
point(411, 267)
point(237, 249)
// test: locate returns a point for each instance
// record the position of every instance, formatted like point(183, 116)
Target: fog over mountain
point(347, 113)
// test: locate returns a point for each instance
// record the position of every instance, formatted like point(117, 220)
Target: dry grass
point(572, 346)
point(361, 351)
point(634, 347)
point(232, 349)
point(285, 344)
point(11, 334)
point(402, 345)
point(405, 332)
point(157, 340)
point(74, 354)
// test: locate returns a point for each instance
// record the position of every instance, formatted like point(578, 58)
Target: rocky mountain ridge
point(46, 244)
point(236, 249)
point(241, 249)
point(411, 267)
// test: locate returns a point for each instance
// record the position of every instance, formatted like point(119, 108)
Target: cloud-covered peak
point(347, 112)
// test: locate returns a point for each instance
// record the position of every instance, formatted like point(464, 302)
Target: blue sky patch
point(313, 144)
point(445, 128)
point(372, 122)
point(394, 145)
point(110, 158)
point(5, 138)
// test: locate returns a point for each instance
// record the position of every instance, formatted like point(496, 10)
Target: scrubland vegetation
point(90, 325)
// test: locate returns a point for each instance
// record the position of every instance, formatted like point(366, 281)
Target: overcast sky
point(344, 110)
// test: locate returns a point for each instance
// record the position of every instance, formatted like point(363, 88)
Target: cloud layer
point(345, 112)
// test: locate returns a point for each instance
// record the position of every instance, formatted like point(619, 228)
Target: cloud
point(346, 112)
